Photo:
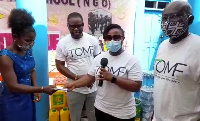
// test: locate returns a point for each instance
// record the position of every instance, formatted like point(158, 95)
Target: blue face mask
point(114, 46)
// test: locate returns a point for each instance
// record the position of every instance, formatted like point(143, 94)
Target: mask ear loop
point(188, 21)
point(187, 17)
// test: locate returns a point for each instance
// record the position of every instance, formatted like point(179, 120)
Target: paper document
point(60, 88)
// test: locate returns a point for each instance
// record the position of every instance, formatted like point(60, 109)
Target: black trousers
point(101, 116)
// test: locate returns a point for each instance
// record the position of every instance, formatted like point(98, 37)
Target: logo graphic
point(2, 16)
point(168, 71)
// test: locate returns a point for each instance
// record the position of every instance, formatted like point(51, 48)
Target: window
point(162, 5)
point(150, 4)
point(156, 4)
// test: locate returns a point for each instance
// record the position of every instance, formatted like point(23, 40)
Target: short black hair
point(20, 22)
point(74, 15)
point(112, 26)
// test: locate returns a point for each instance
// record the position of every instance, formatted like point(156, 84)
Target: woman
point(121, 77)
point(17, 69)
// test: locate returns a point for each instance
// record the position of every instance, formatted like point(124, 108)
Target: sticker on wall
point(2, 16)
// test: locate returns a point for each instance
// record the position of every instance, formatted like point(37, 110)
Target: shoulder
point(132, 58)
point(89, 36)
point(163, 46)
point(5, 52)
point(194, 43)
point(5, 56)
point(93, 40)
point(65, 39)
point(102, 55)
point(127, 55)
point(164, 43)
point(194, 39)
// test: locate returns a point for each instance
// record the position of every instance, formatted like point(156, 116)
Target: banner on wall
point(97, 14)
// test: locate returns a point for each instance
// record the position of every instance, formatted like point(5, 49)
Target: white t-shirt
point(110, 98)
point(177, 80)
point(79, 55)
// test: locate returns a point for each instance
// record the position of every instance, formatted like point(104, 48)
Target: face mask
point(25, 48)
point(113, 46)
point(174, 29)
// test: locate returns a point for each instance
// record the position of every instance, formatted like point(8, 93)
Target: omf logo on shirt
point(162, 66)
point(82, 52)
point(115, 71)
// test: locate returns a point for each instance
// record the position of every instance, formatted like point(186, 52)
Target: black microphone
point(104, 63)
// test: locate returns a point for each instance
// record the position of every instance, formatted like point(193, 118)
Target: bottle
point(58, 99)
point(64, 114)
point(53, 115)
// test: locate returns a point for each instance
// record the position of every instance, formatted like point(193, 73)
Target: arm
point(34, 78)
point(60, 62)
point(133, 81)
point(127, 84)
point(9, 77)
point(34, 83)
point(60, 65)
point(82, 82)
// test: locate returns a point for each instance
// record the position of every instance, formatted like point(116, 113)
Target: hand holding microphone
point(104, 63)
point(104, 74)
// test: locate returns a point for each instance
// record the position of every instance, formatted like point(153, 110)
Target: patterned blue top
point(16, 106)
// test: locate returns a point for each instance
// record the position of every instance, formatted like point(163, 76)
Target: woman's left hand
point(37, 97)
point(105, 75)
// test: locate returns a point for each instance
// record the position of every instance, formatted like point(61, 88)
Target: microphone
point(104, 63)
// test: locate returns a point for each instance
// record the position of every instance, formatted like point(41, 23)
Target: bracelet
point(76, 77)
point(42, 88)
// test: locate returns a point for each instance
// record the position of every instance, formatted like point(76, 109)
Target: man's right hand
point(49, 89)
point(90, 85)
point(70, 86)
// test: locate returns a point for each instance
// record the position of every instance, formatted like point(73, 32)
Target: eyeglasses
point(114, 37)
point(174, 17)
point(76, 26)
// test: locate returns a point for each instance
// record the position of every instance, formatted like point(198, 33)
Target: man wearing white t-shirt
point(177, 67)
point(78, 50)
point(121, 77)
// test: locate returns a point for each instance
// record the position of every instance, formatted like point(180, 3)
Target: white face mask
point(114, 46)
point(24, 47)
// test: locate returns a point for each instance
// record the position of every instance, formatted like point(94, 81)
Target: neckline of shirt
point(180, 42)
